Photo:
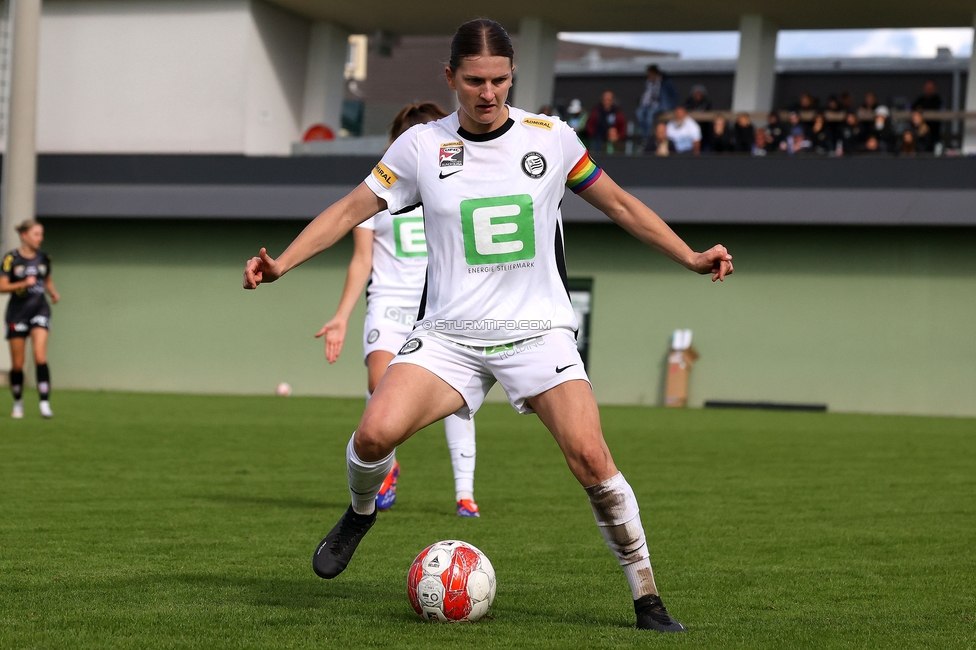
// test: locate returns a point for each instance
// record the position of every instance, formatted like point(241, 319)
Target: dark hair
point(477, 37)
point(413, 114)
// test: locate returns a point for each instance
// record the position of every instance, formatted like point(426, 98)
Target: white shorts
point(525, 368)
point(386, 327)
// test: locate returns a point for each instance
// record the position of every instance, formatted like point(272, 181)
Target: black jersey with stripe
point(28, 300)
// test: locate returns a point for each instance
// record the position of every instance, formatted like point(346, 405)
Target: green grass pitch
point(169, 521)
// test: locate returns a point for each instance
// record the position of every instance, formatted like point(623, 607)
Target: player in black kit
point(26, 275)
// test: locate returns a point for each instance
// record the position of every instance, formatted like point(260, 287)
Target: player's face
point(33, 237)
point(482, 84)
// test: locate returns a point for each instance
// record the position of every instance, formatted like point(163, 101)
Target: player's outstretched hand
point(717, 261)
point(260, 270)
point(335, 334)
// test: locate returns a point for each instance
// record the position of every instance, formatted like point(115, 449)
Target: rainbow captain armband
point(583, 174)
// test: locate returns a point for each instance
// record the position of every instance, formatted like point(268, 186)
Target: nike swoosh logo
point(559, 370)
point(443, 175)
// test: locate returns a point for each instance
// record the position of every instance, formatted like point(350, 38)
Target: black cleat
point(333, 554)
point(652, 615)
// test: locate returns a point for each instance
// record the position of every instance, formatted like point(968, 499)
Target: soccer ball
point(283, 389)
point(451, 582)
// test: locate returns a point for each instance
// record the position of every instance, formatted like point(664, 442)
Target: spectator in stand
point(930, 100)
point(851, 134)
point(698, 100)
point(821, 141)
point(605, 116)
point(922, 138)
point(684, 132)
point(743, 134)
point(866, 112)
point(546, 110)
point(908, 146)
point(719, 140)
point(660, 145)
point(846, 102)
point(835, 117)
point(762, 145)
point(871, 145)
point(775, 129)
point(807, 108)
point(659, 96)
point(575, 117)
point(881, 129)
point(796, 140)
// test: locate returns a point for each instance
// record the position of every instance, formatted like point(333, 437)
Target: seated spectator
point(866, 112)
point(719, 140)
point(605, 116)
point(871, 145)
point(684, 132)
point(743, 134)
point(659, 144)
point(921, 133)
point(614, 143)
point(775, 130)
point(546, 110)
point(930, 100)
point(762, 144)
point(908, 147)
point(698, 101)
point(881, 129)
point(796, 140)
point(821, 141)
point(851, 134)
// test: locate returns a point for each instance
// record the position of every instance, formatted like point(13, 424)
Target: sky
point(921, 42)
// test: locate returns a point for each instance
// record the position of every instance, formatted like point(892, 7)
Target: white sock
point(460, 442)
point(365, 478)
point(616, 512)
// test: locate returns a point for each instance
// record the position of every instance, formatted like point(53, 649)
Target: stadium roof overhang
point(443, 16)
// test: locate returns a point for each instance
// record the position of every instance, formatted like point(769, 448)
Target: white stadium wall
point(169, 76)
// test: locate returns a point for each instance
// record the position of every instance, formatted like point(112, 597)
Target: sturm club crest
point(411, 346)
point(533, 164)
point(372, 336)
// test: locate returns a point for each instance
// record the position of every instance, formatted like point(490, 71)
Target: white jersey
point(399, 257)
point(496, 271)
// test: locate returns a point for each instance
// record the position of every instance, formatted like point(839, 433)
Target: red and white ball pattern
point(450, 582)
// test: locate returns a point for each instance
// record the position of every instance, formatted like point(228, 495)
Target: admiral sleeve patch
point(538, 123)
point(383, 174)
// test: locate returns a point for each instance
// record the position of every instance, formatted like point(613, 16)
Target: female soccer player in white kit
point(496, 307)
point(390, 251)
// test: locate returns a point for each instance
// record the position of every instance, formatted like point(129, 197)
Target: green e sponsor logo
point(499, 229)
point(408, 232)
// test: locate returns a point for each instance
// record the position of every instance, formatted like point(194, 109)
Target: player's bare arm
point(6, 286)
point(324, 231)
point(644, 224)
point(49, 287)
point(356, 277)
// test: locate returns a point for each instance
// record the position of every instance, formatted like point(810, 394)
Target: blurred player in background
point(496, 306)
point(26, 275)
point(391, 253)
